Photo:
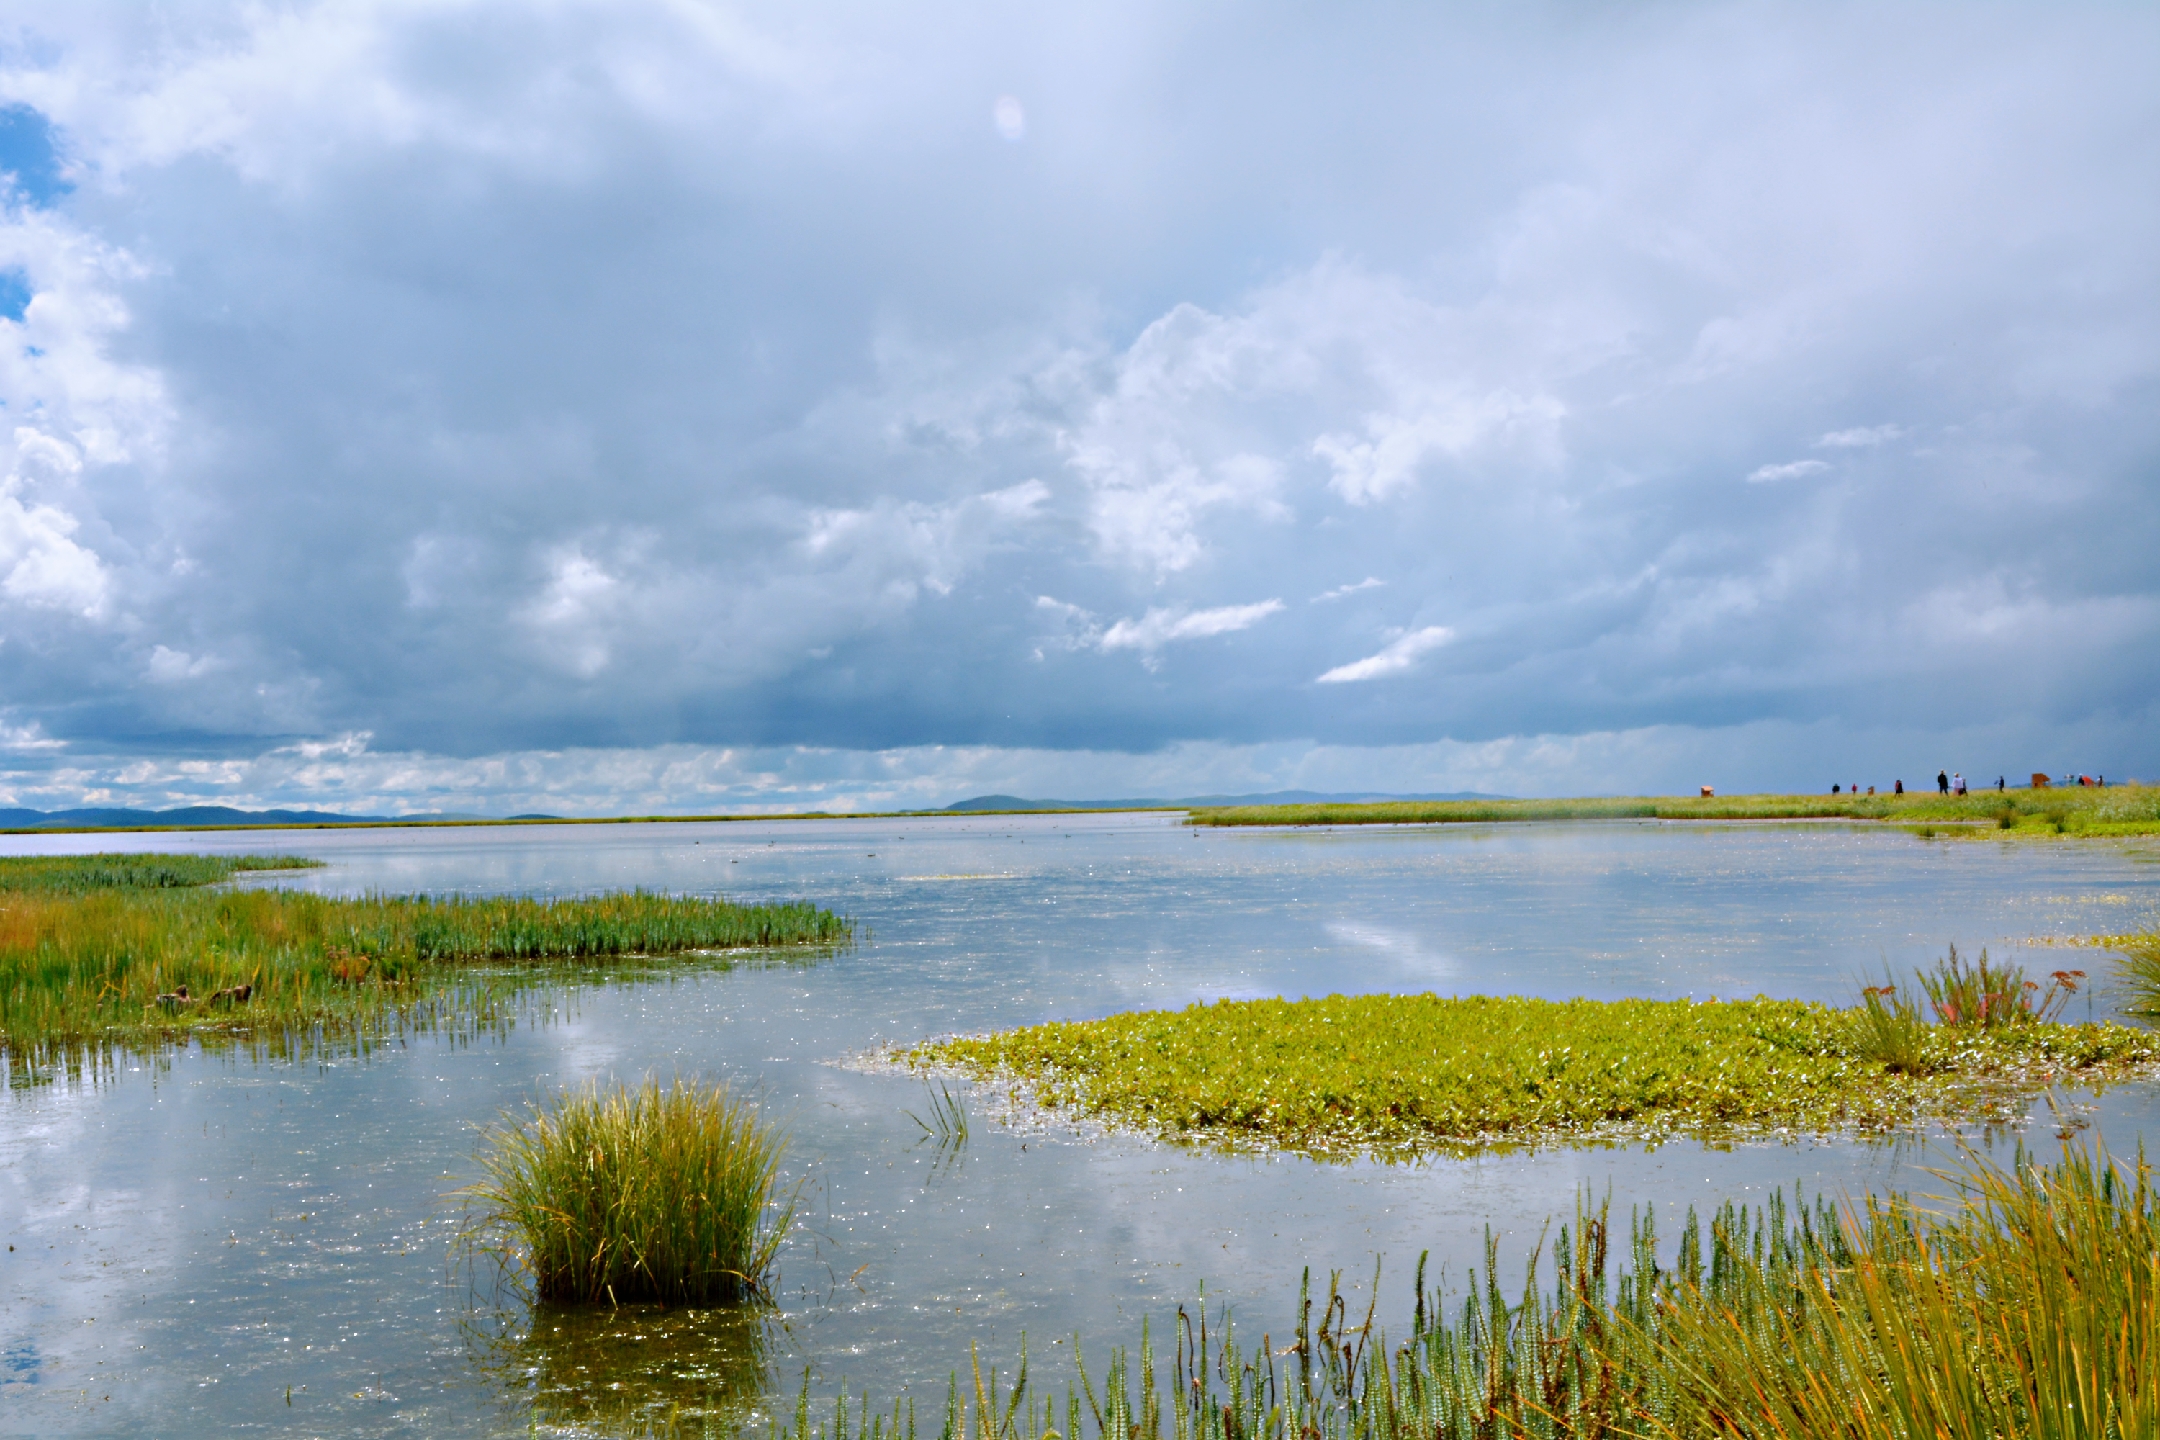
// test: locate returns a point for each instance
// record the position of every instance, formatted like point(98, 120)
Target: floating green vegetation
point(1413, 1073)
point(2030, 1306)
point(2112, 810)
point(136, 951)
point(647, 1194)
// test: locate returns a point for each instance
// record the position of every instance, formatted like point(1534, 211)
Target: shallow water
point(193, 1237)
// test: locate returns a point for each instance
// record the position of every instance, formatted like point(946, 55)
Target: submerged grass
point(135, 951)
point(647, 1194)
point(1410, 1073)
point(2114, 810)
point(2027, 1308)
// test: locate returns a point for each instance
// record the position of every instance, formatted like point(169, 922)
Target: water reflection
point(632, 1369)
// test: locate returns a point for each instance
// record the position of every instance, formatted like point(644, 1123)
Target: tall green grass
point(2116, 810)
point(1408, 1073)
point(668, 1194)
point(135, 955)
point(84, 874)
point(2027, 1308)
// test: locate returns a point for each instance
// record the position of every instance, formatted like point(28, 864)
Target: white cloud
point(571, 616)
point(41, 565)
point(1370, 582)
point(1160, 627)
point(1792, 470)
point(1861, 439)
point(1395, 659)
point(168, 666)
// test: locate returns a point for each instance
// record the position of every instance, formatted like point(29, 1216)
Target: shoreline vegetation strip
point(1408, 1074)
point(2024, 1303)
point(2130, 809)
point(146, 950)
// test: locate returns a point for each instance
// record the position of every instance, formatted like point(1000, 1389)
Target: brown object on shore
point(1709, 792)
point(2040, 782)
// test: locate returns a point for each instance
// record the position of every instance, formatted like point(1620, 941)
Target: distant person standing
point(1833, 789)
point(1957, 783)
point(1900, 788)
point(1998, 784)
point(1942, 782)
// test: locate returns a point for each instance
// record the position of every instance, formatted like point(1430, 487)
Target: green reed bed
point(667, 1194)
point(2026, 1304)
point(2116, 810)
point(1411, 1073)
point(127, 951)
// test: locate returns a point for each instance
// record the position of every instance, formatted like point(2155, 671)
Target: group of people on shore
point(1947, 783)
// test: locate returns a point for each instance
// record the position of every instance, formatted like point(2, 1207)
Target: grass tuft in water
point(668, 1194)
point(948, 1122)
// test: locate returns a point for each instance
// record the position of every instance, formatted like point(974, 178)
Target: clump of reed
point(1460, 1074)
point(2139, 974)
point(649, 1193)
point(143, 952)
point(2029, 1308)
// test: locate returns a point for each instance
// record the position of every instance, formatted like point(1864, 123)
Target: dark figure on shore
point(1833, 789)
point(1900, 789)
point(1998, 784)
point(1942, 782)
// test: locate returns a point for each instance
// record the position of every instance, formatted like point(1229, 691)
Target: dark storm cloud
point(501, 378)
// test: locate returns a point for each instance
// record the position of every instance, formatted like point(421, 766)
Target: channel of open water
point(211, 1244)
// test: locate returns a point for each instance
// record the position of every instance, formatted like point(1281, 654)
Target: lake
point(207, 1243)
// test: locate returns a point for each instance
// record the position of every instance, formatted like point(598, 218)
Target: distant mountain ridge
point(1273, 797)
point(194, 815)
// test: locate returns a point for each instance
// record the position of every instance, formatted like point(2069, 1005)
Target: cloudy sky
point(672, 406)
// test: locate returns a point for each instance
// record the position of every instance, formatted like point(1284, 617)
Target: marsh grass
point(948, 1122)
point(2139, 974)
point(144, 953)
point(2116, 810)
point(664, 1194)
point(1393, 1074)
point(2027, 1308)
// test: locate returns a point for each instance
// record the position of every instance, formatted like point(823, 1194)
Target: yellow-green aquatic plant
point(1397, 1073)
point(670, 1194)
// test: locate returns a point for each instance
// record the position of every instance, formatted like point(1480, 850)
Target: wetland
point(210, 1237)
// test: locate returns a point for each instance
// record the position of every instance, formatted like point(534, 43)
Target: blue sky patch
point(15, 293)
point(27, 153)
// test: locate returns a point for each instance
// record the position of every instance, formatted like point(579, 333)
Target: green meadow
point(142, 950)
point(2131, 809)
point(1429, 1073)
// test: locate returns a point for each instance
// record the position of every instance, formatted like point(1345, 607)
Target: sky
point(672, 407)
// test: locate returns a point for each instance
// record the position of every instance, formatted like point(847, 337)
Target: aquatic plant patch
point(144, 952)
point(1427, 1072)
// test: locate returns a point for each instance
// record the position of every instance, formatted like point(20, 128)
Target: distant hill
point(193, 815)
point(1274, 797)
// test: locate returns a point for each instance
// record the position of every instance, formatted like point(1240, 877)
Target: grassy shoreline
point(2117, 810)
point(142, 952)
point(1419, 1074)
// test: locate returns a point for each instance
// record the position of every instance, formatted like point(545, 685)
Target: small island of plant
point(1412, 1073)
